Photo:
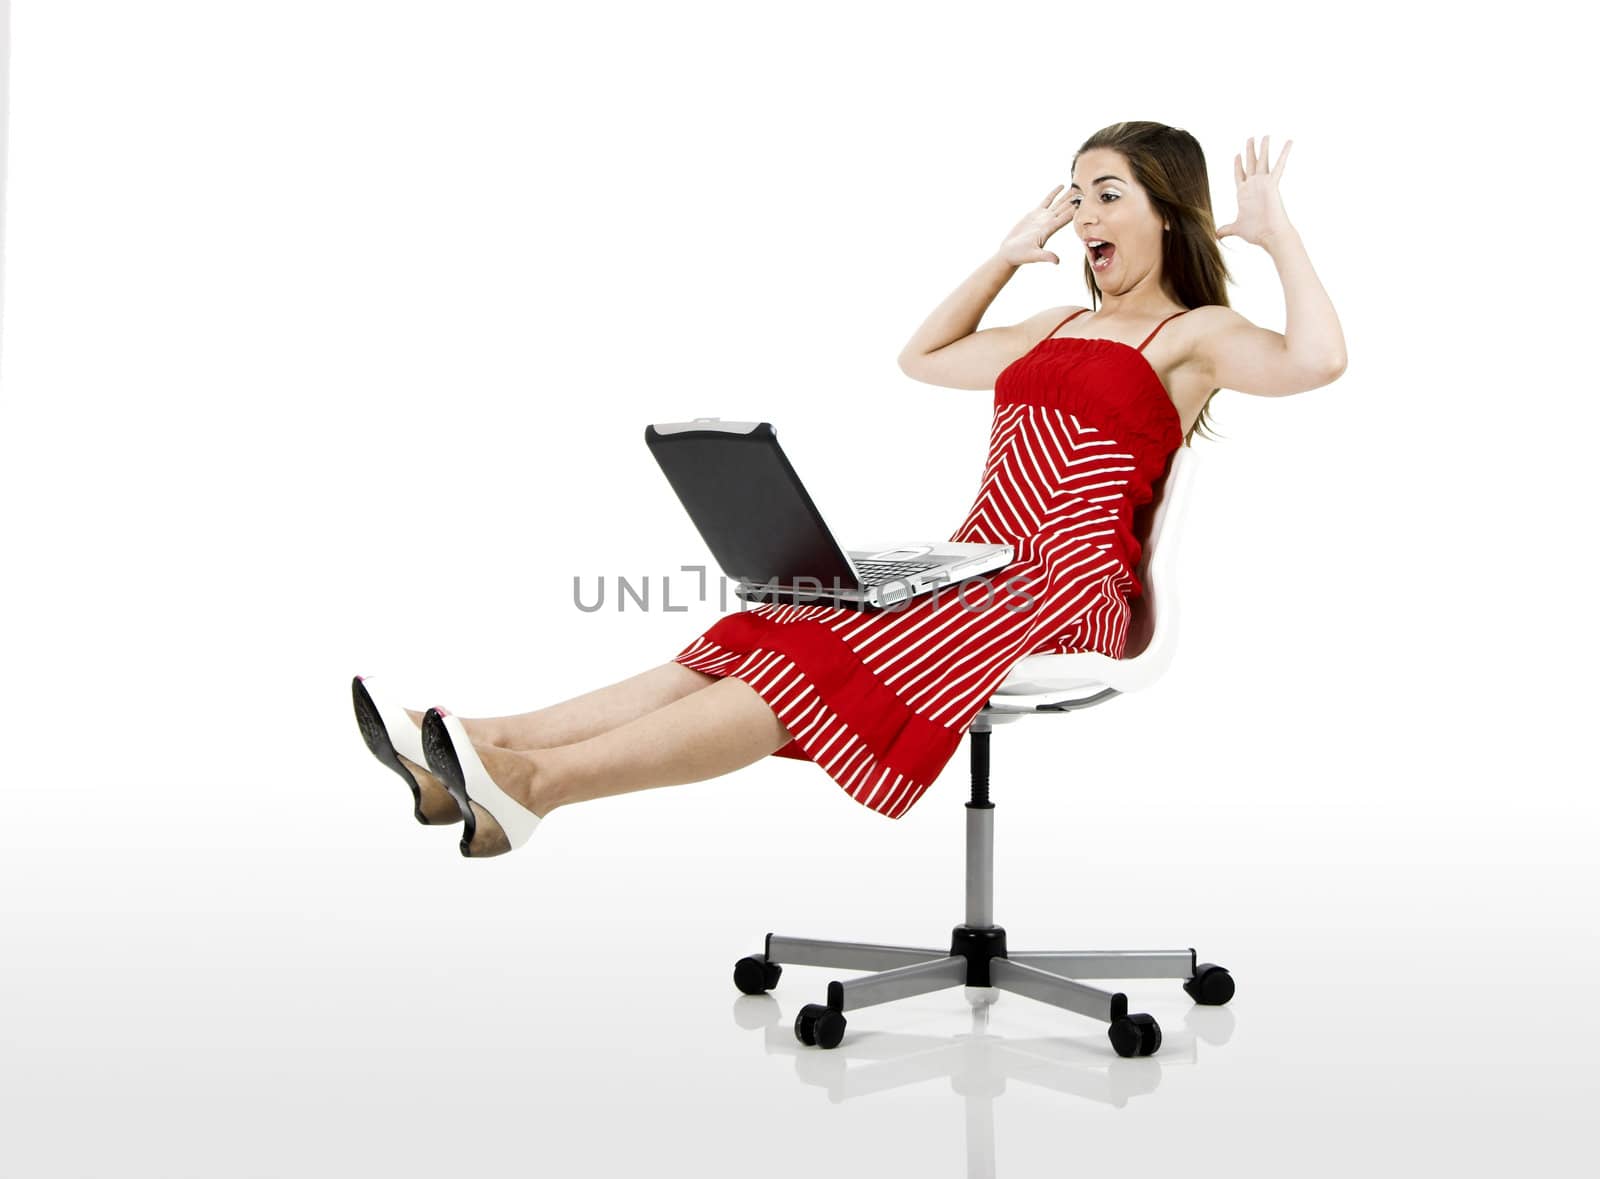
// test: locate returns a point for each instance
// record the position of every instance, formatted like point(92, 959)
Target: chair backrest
point(1049, 681)
point(1158, 525)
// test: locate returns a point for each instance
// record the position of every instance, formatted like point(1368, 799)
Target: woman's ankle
point(518, 773)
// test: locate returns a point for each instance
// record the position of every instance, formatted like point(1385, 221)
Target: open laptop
point(763, 529)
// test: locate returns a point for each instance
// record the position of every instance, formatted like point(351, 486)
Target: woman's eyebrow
point(1098, 179)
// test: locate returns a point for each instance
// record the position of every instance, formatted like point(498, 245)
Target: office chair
point(1039, 685)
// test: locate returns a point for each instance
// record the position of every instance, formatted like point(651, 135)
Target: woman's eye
point(1075, 200)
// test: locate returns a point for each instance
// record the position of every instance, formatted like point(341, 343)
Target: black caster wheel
point(819, 1026)
point(1135, 1035)
point(1211, 986)
point(756, 976)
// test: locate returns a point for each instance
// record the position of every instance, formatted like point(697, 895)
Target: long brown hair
point(1168, 164)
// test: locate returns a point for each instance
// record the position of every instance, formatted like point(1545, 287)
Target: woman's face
point(1110, 207)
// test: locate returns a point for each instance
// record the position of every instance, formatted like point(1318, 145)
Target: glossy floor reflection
point(240, 1012)
point(979, 1065)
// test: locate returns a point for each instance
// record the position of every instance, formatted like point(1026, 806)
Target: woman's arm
point(1311, 326)
point(1307, 354)
point(959, 315)
point(948, 349)
point(1310, 351)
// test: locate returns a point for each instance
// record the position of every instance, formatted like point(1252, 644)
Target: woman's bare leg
point(587, 715)
point(701, 735)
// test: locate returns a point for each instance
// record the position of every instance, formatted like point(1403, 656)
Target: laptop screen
point(749, 505)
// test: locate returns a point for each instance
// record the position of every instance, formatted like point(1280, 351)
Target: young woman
point(1089, 406)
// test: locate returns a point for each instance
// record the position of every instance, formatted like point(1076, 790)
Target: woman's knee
point(687, 677)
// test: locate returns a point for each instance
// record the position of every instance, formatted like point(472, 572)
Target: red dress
point(1082, 427)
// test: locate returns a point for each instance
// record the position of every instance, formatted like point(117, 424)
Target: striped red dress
point(1082, 427)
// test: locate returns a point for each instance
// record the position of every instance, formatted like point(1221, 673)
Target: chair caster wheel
point(756, 976)
point(1211, 986)
point(1135, 1035)
point(819, 1026)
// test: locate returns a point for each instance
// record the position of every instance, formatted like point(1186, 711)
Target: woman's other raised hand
point(1261, 213)
point(1025, 243)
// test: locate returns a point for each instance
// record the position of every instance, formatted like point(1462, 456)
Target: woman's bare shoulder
point(1051, 318)
point(1198, 325)
point(1212, 313)
point(977, 360)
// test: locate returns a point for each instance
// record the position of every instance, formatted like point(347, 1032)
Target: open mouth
point(1101, 255)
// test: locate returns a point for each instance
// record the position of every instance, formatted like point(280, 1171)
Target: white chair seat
point(1050, 679)
point(1040, 675)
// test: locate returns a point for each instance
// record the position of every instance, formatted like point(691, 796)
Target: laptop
point(761, 526)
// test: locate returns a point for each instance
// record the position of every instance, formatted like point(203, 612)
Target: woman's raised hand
point(1025, 243)
point(1261, 212)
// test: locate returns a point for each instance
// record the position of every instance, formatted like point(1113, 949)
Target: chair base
point(978, 959)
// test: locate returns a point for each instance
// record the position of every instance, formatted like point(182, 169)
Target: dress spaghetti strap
point(1064, 322)
point(1163, 324)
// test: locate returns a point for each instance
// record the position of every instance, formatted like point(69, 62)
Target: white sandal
point(506, 824)
point(390, 735)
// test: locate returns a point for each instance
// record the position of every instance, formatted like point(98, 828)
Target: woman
point(1086, 418)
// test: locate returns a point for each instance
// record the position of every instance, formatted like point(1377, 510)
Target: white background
point(331, 332)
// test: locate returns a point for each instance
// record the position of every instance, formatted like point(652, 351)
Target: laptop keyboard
point(878, 572)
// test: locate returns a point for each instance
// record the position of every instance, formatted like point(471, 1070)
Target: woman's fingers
point(1050, 196)
point(1252, 163)
point(1277, 169)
